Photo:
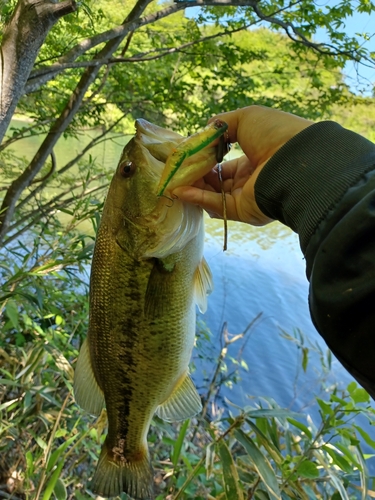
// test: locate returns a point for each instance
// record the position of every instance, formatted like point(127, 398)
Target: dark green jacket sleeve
point(322, 185)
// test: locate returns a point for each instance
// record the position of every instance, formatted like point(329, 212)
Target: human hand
point(260, 132)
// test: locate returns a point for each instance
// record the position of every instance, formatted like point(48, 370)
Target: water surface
point(262, 272)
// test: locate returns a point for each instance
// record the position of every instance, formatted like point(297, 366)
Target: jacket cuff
point(307, 177)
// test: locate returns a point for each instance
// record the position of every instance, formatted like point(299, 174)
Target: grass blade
point(230, 474)
point(179, 442)
point(261, 464)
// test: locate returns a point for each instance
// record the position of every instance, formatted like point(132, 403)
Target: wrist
point(309, 174)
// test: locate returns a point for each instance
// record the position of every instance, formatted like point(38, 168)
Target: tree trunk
point(22, 39)
point(20, 183)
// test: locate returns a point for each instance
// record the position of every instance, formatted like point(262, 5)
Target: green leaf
point(57, 453)
point(351, 387)
point(305, 358)
point(325, 407)
point(265, 441)
point(230, 475)
point(261, 464)
point(308, 469)
point(261, 495)
point(338, 459)
point(365, 436)
point(360, 396)
point(58, 320)
point(301, 427)
point(179, 442)
point(269, 413)
point(40, 442)
point(331, 472)
point(53, 480)
point(336, 496)
point(60, 490)
point(336, 399)
point(60, 433)
point(29, 463)
point(349, 455)
point(7, 404)
point(11, 310)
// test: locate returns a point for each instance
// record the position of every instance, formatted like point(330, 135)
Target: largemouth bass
point(148, 273)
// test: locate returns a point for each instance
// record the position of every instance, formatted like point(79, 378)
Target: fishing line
point(224, 200)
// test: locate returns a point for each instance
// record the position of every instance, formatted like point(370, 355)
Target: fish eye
point(126, 169)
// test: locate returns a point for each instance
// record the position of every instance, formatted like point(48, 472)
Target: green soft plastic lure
point(190, 146)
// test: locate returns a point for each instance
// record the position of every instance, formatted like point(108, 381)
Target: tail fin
point(112, 477)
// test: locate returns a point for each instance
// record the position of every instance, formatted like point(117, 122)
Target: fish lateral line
point(191, 146)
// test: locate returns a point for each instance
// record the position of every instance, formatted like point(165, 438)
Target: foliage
point(176, 71)
point(49, 447)
point(175, 67)
point(359, 117)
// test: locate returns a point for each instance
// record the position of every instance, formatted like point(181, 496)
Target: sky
point(360, 78)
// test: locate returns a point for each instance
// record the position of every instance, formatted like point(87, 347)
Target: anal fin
point(183, 403)
point(87, 392)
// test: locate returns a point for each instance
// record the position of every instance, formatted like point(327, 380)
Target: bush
point(49, 446)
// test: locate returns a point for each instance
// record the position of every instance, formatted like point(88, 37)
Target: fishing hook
point(170, 199)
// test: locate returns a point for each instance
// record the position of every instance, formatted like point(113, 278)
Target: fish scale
point(148, 274)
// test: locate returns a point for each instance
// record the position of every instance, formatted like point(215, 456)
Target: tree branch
point(22, 134)
point(40, 76)
point(143, 57)
point(108, 69)
point(54, 203)
point(291, 30)
point(90, 145)
point(51, 171)
point(22, 39)
point(43, 181)
point(18, 185)
point(48, 209)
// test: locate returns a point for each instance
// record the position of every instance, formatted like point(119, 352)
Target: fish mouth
point(160, 142)
point(172, 160)
point(185, 159)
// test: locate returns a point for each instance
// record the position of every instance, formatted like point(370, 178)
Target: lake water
point(262, 271)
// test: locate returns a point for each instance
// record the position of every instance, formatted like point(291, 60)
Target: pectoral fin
point(87, 392)
point(183, 403)
point(203, 285)
point(157, 297)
